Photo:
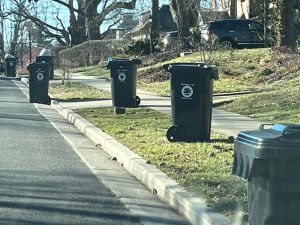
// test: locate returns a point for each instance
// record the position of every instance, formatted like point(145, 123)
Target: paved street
point(43, 180)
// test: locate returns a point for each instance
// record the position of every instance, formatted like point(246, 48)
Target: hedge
point(91, 52)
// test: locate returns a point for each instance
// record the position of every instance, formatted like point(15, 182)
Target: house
point(124, 29)
point(110, 34)
point(166, 24)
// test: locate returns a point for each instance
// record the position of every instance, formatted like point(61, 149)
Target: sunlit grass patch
point(203, 168)
point(74, 90)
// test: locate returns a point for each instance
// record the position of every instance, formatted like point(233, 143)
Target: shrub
point(55, 52)
point(141, 47)
point(91, 52)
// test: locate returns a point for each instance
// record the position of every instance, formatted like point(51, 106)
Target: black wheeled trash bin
point(2, 68)
point(191, 99)
point(123, 82)
point(45, 56)
point(39, 83)
point(10, 63)
point(270, 160)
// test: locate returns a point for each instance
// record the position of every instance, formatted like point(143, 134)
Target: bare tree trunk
point(186, 14)
point(93, 29)
point(214, 5)
point(77, 25)
point(223, 5)
point(155, 21)
point(16, 30)
point(1, 34)
point(288, 31)
point(233, 9)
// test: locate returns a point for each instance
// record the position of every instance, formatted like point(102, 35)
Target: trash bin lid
point(211, 70)
point(282, 140)
point(9, 56)
point(45, 52)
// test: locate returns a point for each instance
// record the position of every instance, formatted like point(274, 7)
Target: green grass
point(77, 91)
point(279, 105)
point(203, 168)
point(161, 88)
point(237, 70)
point(98, 70)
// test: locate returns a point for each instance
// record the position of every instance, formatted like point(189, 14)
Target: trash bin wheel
point(175, 133)
point(137, 101)
point(119, 110)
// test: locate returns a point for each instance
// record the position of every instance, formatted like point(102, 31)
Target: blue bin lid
point(280, 141)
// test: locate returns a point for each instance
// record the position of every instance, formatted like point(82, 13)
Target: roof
point(128, 22)
point(166, 21)
point(207, 16)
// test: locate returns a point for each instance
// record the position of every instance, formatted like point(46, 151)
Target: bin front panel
point(38, 82)
point(191, 98)
point(123, 83)
point(49, 60)
point(273, 193)
point(10, 67)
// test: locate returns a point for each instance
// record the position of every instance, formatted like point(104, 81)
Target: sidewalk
point(225, 122)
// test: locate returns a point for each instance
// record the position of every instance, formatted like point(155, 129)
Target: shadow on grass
point(81, 99)
point(229, 140)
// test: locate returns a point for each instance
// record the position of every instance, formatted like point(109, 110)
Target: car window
point(257, 26)
point(245, 25)
point(217, 25)
point(235, 26)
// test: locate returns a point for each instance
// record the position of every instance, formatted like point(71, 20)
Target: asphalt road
point(43, 181)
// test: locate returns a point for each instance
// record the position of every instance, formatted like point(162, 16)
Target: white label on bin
point(187, 91)
point(40, 76)
point(122, 77)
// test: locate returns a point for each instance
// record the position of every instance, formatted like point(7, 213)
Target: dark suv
point(235, 33)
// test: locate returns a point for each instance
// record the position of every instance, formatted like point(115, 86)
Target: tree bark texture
point(288, 27)
point(155, 20)
point(186, 14)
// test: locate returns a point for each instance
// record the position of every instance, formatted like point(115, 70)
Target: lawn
point(77, 91)
point(281, 104)
point(203, 168)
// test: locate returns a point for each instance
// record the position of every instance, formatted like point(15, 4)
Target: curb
point(194, 209)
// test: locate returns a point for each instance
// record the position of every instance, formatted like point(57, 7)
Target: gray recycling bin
point(39, 83)
point(191, 99)
point(123, 82)
point(270, 160)
point(46, 57)
point(10, 63)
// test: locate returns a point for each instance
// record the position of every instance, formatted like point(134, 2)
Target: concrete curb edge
point(194, 209)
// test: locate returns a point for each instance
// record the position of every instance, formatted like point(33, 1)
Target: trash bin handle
point(262, 126)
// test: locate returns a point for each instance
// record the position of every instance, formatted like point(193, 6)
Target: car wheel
point(226, 44)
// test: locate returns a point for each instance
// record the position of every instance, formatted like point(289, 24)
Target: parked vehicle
point(234, 33)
